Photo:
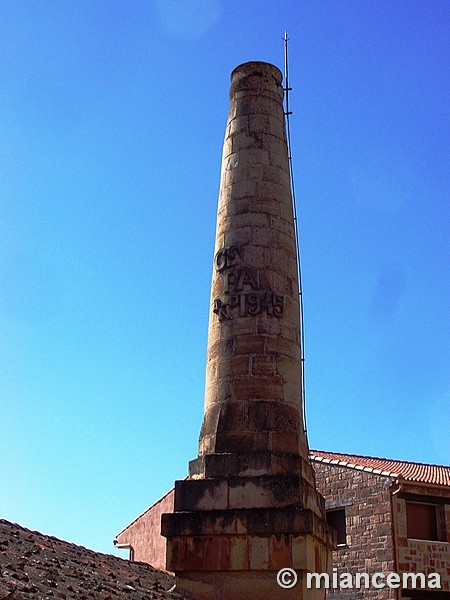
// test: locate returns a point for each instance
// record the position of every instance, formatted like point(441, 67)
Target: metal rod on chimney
point(286, 74)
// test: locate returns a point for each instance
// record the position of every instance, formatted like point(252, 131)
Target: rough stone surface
point(376, 538)
point(421, 555)
point(34, 566)
point(367, 501)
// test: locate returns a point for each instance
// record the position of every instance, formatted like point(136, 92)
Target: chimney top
point(256, 76)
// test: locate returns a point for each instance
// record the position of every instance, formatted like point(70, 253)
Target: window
point(422, 521)
point(336, 518)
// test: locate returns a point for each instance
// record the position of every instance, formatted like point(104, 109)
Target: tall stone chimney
point(250, 506)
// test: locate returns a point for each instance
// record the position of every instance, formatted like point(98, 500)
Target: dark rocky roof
point(34, 566)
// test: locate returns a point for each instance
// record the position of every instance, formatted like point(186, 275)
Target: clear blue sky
point(112, 117)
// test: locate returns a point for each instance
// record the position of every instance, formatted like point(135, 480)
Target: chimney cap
point(258, 76)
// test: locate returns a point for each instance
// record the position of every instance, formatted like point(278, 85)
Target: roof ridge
point(145, 511)
point(398, 460)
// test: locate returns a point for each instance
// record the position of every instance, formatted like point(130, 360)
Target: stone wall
point(423, 556)
point(369, 549)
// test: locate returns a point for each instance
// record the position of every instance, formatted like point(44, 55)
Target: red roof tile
point(410, 471)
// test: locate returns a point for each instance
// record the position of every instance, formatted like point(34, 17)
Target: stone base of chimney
point(243, 586)
point(229, 536)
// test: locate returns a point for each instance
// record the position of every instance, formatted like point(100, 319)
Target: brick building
point(391, 516)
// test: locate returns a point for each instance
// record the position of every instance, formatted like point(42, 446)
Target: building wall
point(367, 501)
point(423, 556)
point(144, 533)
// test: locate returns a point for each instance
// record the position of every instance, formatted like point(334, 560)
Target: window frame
point(341, 510)
point(438, 533)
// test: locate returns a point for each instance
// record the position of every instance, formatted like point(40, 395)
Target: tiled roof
point(34, 566)
point(410, 471)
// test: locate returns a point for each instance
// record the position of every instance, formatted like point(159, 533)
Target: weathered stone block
point(280, 551)
point(212, 369)
point(201, 494)
point(245, 188)
point(271, 191)
point(278, 147)
point(255, 389)
point(232, 417)
point(266, 124)
point(254, 257)
point(216, 553)
point(286, 210)
point(284, 419)
point(282, 346)
point(230, 161)
point(288, 369)
point(284, 225)
point(264, 462)
point(264, 236)
point(233, 366)
point(280, 442)
point(255, 217)
point(259, 553)
point(268, 206)
point(303, 552)
point(234, 206)
point(250, 155)
point(227, 148)
point(277, 160)
point(256, 105)
point(268, 326)
point(236, 327)
point(279, 176)
point(193, 554)
point(249, 344)
point(221, 348)
point(242, 441)
point(263, 366)
point(266, 491)
point(291, 394)
point(237, 125)
point(239, 554)
point(281, 258)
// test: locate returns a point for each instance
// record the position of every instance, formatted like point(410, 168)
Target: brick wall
point(367, 501)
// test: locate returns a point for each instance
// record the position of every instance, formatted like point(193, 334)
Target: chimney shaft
point(253, 375)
